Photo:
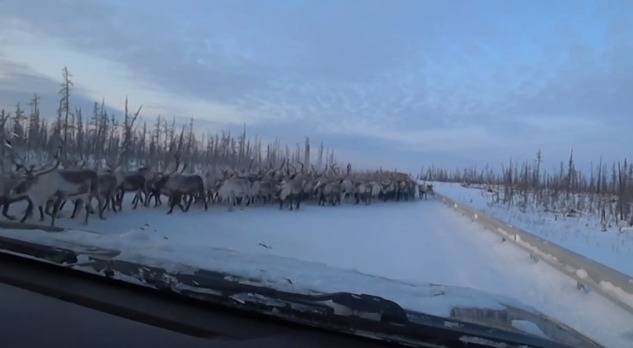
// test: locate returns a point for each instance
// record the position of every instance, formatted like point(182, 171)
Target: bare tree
point(64, 104)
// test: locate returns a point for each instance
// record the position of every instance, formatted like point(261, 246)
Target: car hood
point(319, 295)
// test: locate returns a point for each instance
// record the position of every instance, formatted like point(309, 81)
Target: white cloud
point(412, 77)
point(427, 139)
point(98, 78)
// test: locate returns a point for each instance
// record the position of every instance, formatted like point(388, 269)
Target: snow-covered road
point(417, 242)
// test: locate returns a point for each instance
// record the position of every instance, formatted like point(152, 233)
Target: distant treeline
point(606, 189)
point(100, 137)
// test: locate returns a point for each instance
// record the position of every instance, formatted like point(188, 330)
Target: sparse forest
point(606, 190)
point(100, 137)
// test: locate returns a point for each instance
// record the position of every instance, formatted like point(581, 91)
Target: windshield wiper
point(358, 314)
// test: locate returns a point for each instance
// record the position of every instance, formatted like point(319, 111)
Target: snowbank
point(581, 234)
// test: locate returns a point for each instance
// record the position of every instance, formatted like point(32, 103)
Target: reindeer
point(132, 182)
point(261, 187)
point(155, 184)
point(233, 190)
point(328, 188)
point(376, 190)
point(291, 188)
point(291, 191)
point(347, 188)
point(347, 185)
point(89, 189)
point(265, 187)
point(309, 184)
point(71, 164)
point(108, 186)
point(328, 191)
point(424, 190)
point(6, 183)
point(212, 182)
point(389, 190)
point(179, 185)
point(362, 193)
point(51, 184)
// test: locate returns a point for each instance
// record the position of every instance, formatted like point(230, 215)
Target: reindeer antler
point(177, 165)
point(334, 168)
point(282, 164)
point(250, 163)
point(14, 156)
point(42, 171)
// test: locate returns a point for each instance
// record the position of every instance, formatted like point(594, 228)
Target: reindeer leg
point(141, 195)
point(135, 201)
point(157, 201)
point(62, 204)
point(172, 203)
point(188, 203)
point(29, 210)
point(77, 202)
point(203, 197)
point(5, 212)
point(110, 202)
point(41, 210)
point(178, 200)
point(150, 194)
point(103, 206)
point(87, 206)
point(48, 206)
point(98, 198)
point(56, 205)
point(231, 201)
point(119, 199)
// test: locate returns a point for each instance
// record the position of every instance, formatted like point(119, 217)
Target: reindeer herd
point(53, 185)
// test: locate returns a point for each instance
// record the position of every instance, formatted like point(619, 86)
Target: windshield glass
point(465, 160)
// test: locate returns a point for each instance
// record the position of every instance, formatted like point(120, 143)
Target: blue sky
point(390, 83)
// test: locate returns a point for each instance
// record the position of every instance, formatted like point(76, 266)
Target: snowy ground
point(581, 234)
point(414, 242)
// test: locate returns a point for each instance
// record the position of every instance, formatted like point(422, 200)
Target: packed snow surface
point(581, 234)
point(356, 248)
